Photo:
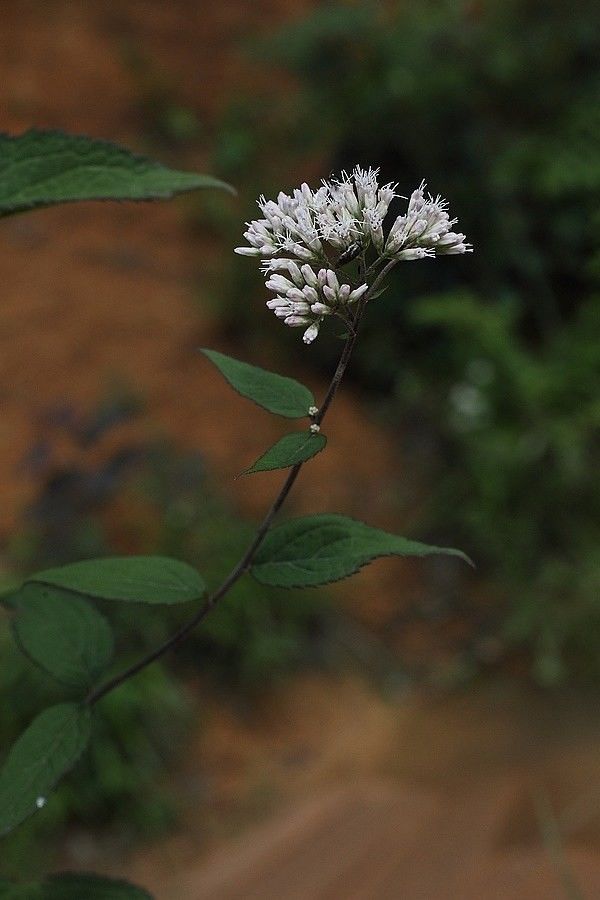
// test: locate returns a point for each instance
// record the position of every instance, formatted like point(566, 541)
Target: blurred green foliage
point(118, 782)
point(518, 438)
point(496, 104)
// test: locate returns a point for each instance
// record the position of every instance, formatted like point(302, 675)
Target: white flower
point(310, 334)
point(306, 297)
point(425, 226)
point(340, 213)
point(307, 237)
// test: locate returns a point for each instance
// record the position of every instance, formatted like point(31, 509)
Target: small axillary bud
point(312, 411)
point(314, 428)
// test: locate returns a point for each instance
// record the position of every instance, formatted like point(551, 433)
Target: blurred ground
point(329, 791)
point(431, 797)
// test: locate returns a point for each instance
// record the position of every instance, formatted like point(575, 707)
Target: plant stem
point(245, 562)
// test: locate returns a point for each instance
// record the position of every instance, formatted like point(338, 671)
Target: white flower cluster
point(341, 213)
point(311, 234)
point(307, 296)
point(425, 230)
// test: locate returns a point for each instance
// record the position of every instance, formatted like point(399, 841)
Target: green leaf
point(290, 450)
point(45, 751)
point(280, 395)
point(139, 579)
point(73, 886)
point(42, 168)
point(319, 549)
point(77, 886)
point(63, 634)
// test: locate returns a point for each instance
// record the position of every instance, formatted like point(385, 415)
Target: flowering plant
point(325, 253)
point(322, 231)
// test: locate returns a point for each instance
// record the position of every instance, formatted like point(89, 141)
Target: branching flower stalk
point(325, 253)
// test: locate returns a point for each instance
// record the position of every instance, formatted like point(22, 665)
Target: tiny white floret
point(315, 429)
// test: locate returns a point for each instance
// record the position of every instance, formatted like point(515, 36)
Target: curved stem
point(245, 562)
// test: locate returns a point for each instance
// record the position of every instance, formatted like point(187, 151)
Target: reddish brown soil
point(95, 292)
point(328, 791)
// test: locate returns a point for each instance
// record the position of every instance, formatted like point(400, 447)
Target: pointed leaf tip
point(278, 394)
point(289, 450)
point(44, 168)
point(315, 550)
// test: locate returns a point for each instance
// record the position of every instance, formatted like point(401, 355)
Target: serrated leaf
point(316, 550)
point(48, 749)
point(138, 579)
point(290, 450)
point(63, 634)
point(42, 168)
point(73, 886)
point(276, 393)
